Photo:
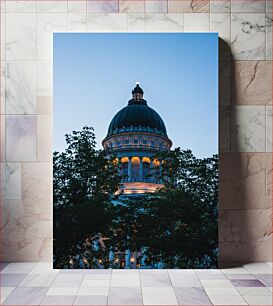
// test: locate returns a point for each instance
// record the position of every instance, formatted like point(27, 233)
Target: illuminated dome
point(137, 116)
point(135, 136)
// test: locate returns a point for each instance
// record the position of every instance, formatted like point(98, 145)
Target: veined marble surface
point(245, 114)
point(248, 36)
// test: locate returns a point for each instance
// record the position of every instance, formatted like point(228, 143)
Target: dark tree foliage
point(84, 180)
point(177, 226)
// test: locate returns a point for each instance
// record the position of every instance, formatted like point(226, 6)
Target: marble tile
point(159, 296)
point(62, 280)
point(188, 6)
point(18, 267)
point(159, 22)
point(85, 291)
point(26, 296)
point(97, 276)
point(12, 280)
point(43, 268)
point(3, 265)
point(20, 88)
point(102, 6)
point(3, 87)
point(248, 129)
point(3, 143)
point(125, 296)
point(47, 23)
point(5, 292)
point(125, 280)
point(52, 6)
point(21, 6)
point(268, 128)
point(220, 23)
point(58, 300)
point(245, 188)
point(3, 6)
point(251, 83)
point(13, 181)
point(228, 291)
point(184, 280)
point(248, 36)
point(44, 78)
point(224, 128)
point(268, 24)
point(131, 6)
point(240, 276)
point(224, 82)
point(192, 296)
point(106, 22)
point(196, 22)
point(211, 277)
point(237, 235)
point(20, 36)
point(220, 6)
point(38, 280)
point(227, 300)
point(62, 291)
point(3, 36)
point(246, 283)
point(258, 268)
point(90, 300)
point(95, 283)
point(77, 6)
point(236, 271)
point(20, 138)
point(77, 22)
point(217, 283)
point(266, 279)
point(155, 279)
point(258, 299)
point(254, 291)
point(248, 6)
point(44, 105)
point(136, 22)
point(157, 6)
point(269, 6)
point(44, 138)
point(37, 190)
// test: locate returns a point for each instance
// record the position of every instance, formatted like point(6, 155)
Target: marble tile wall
point(245, 111)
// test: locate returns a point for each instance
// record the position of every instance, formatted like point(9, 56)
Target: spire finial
point(137, 92)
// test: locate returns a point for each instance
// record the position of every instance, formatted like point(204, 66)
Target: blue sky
point(94, 74)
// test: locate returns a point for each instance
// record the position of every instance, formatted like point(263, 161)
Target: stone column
point(140, 169)
point(160, 172)
point(151, 171)
point(130, 169)
point(127, 259)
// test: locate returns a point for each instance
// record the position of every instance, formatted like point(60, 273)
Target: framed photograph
point(135, 162)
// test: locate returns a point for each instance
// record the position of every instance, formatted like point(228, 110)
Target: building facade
point(135, 135)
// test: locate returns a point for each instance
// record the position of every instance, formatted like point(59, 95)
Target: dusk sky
point(94, 74)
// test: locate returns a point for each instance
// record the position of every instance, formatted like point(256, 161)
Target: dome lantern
point(137, 92)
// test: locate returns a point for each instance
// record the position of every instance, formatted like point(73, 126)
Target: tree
point(84, 181)
point(177, 226)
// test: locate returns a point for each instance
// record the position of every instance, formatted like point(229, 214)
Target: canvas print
point(135, 161)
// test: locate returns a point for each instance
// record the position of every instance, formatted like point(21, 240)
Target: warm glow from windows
point(135, 160)
point(146, 160)
point(125, 160)
point(156, 163)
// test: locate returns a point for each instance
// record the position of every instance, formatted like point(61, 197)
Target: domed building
point(135, 135)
